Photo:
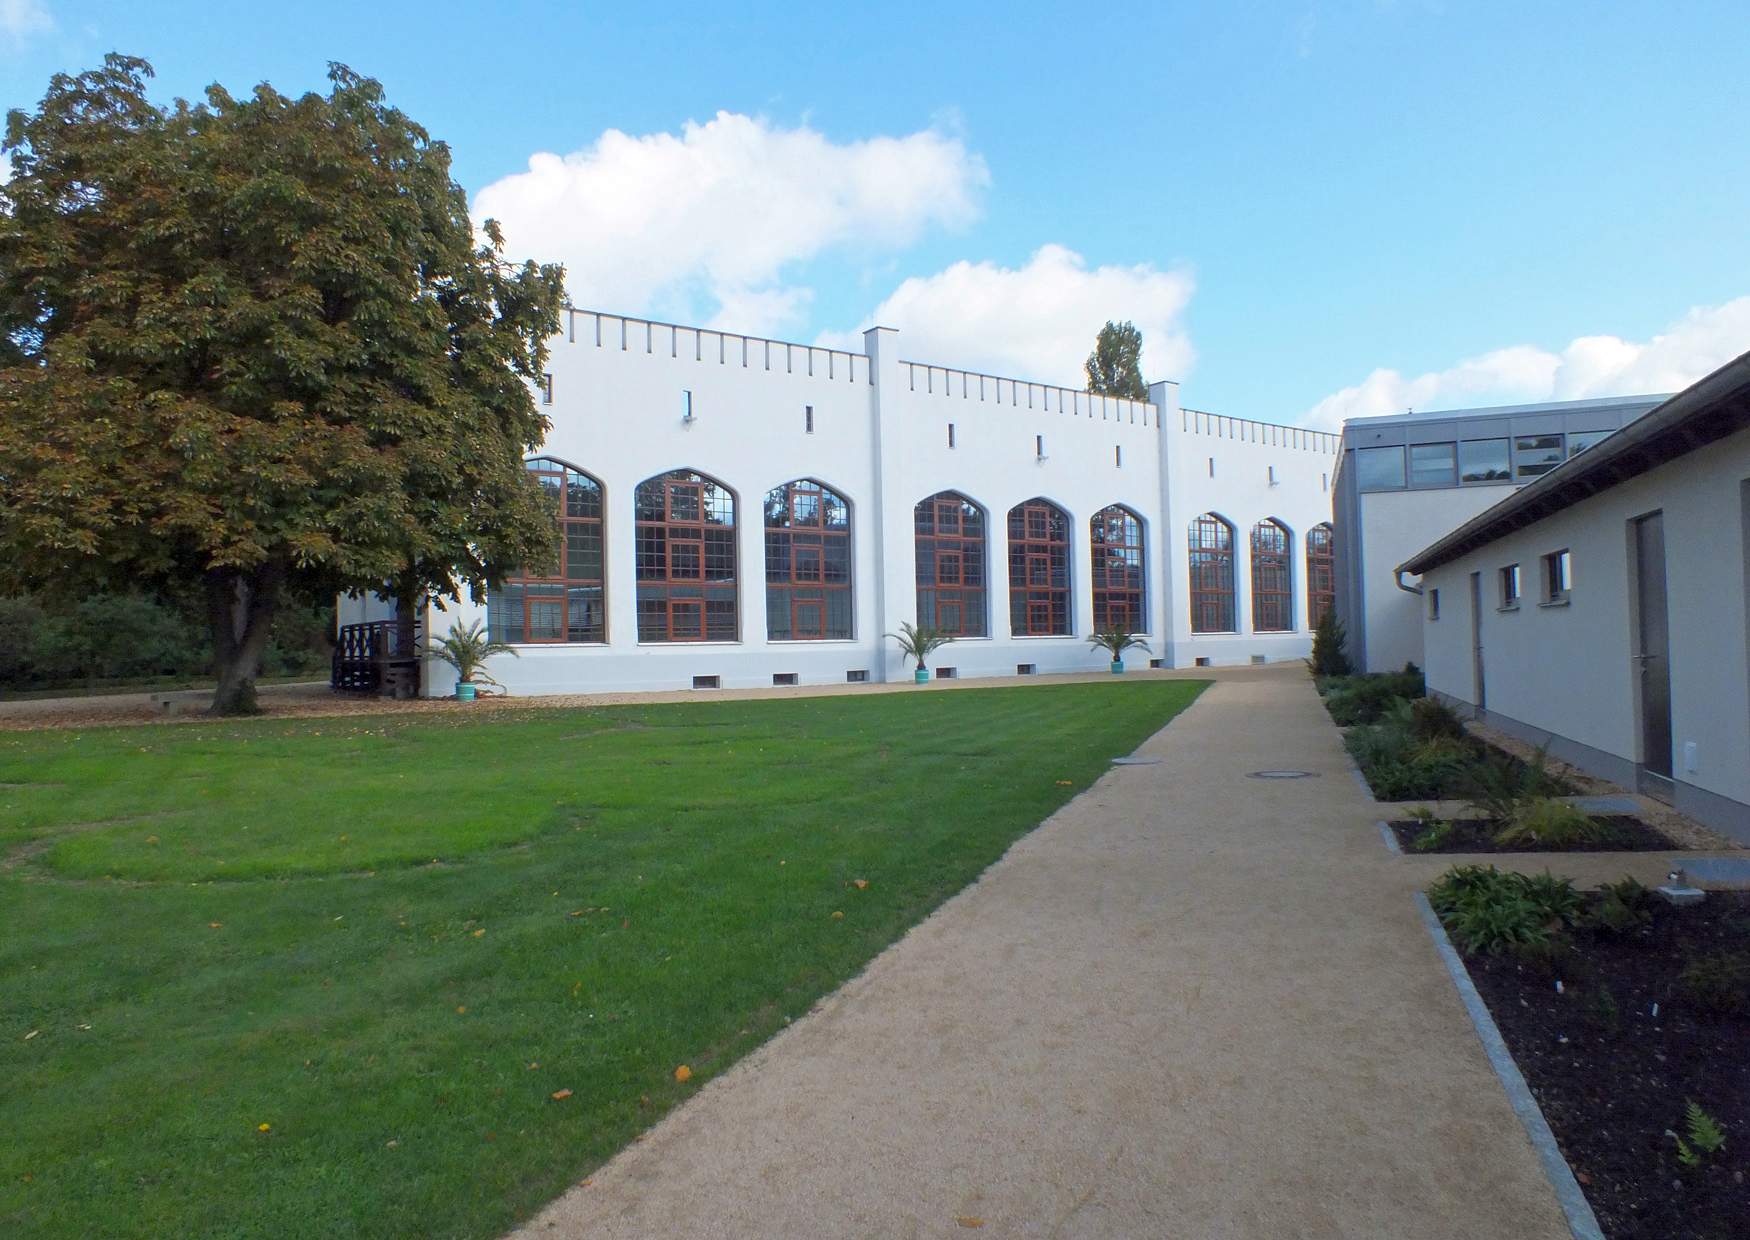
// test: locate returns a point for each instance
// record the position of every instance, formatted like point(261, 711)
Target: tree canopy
point(254, 347)
point(1115, 366)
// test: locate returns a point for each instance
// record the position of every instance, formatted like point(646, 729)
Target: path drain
point(1136, 761)
point(1283, 775)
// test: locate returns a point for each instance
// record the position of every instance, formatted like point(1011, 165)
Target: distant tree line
point(103, 638)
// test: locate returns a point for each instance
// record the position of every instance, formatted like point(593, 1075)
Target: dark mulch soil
point(1621, 833)
point(1612, 1077)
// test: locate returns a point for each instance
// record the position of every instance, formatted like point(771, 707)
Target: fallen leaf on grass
point(151, 839)
point(31, 1034)
point(1066, 783)
point(264, 1128)
point(391, 1144)
point(214, 925)
point(478, 933)
point(683, 1073)
point(861, 884)
point(560, 1095)
point(838, 916)
point(460, 1009)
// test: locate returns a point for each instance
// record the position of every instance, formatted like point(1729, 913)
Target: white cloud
point(1037, 321)
point(20, 19)
point(1701, 341)
point(706, 222)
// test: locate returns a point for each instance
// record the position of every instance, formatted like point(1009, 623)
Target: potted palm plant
point(919, 642)
point(1116, 639)
point(466, 648)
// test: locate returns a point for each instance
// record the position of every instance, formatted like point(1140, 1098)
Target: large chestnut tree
point(253, 348)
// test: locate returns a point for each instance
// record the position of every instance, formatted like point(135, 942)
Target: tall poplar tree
point(254, 348)
point(1115, 366)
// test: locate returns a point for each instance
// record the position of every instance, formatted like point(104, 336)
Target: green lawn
point(392, 939)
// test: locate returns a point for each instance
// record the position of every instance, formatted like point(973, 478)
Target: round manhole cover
point(1283, 775)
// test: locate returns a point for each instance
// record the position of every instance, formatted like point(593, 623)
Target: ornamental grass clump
point(1549, 823)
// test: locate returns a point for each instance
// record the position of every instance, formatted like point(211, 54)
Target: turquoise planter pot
point(1117, 667)
point(464, 692)
point(922, 675)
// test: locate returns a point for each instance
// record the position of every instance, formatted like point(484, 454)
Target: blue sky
point(1313, 209)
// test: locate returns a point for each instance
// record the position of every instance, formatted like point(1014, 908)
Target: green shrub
point(1431, 719)
point(1488, 911)
point(1549, 823)
point(1499, 786)
point(1328, 655)
point(1621, 907)
point(1433, 835)
point(1555, 896)
point(1356, 700)
point(1718, 983)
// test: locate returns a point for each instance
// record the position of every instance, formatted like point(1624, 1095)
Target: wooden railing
point(381, 656)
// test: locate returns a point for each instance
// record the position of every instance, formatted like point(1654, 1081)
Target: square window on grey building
point(1379, 469)
point(1536, 454)
point(1483, 460)
point(1579, 441)
point(1433, 465)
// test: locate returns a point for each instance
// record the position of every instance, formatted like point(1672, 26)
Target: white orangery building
point(742, 512)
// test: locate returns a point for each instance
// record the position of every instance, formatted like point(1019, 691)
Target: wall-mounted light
point(687, 407)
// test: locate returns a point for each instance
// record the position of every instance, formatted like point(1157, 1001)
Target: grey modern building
point(1404, 481)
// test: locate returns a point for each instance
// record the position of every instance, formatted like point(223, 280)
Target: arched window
point(567, 605)
point(1272, 579)
point(1120, 578)
point(1212, 575)
point(950, 556)
point(686, 559)
point(808, 563)
point(1038, 569)
point(1321, 574)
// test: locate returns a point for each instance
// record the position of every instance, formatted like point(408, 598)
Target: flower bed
point(1615, 833)
point(1616, 1054)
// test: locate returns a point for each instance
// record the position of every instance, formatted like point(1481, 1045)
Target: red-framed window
point(950, 543)
point(1272, 578)
point(1321, 573)
point(808, 563)
point(685, 553)
point(568, 604)
point(1038, 569)
point(1120, 569)
point(1212, 575)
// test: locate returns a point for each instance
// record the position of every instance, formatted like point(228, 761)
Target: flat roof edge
point(1707, 410)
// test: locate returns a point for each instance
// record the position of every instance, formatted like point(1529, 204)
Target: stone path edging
point(1581, 1221)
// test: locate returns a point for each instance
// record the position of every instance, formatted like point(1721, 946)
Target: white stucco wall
point(880, 439)
point(1394, 526)
point(1568, 671)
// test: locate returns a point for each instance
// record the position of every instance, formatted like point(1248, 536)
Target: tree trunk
point(240, 610)
point(406, 622)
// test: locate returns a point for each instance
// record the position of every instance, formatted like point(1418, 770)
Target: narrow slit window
point(950, 434)
point(1557, 568)
point(1039, 446)
point(808, 419)
point(1434, 604)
